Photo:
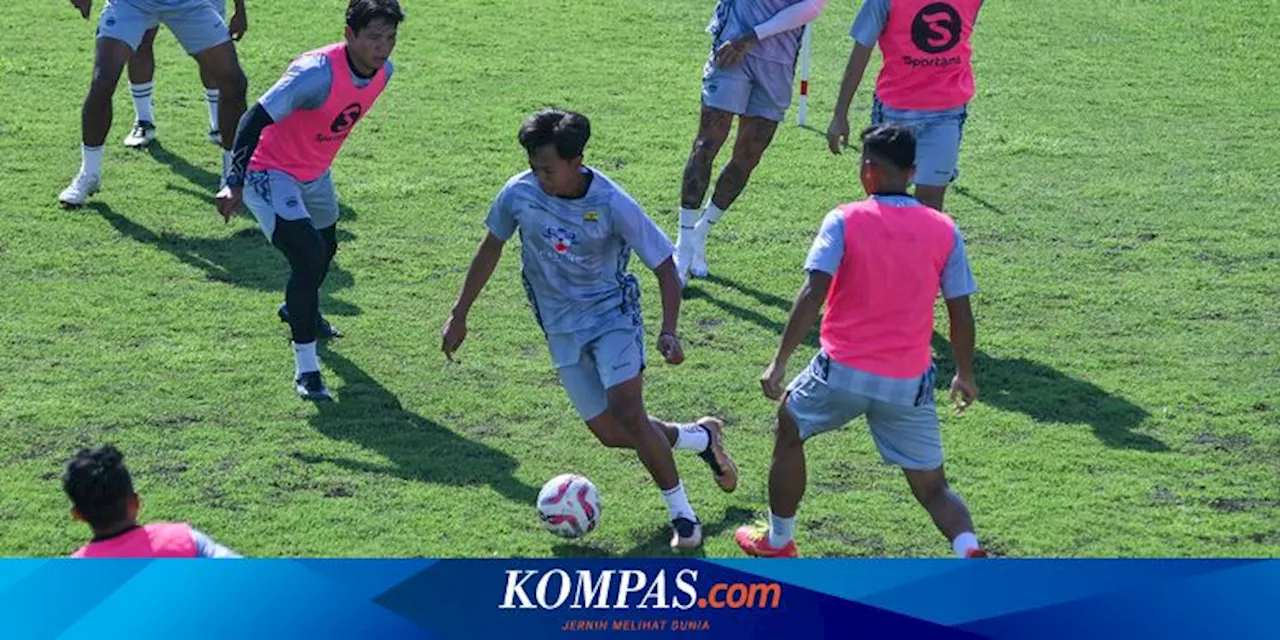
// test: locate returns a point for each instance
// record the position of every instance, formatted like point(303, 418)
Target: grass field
point(1115, 195)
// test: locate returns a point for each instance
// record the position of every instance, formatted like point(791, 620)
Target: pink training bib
point(161, 540)
point(927, 56)
point(305, 143)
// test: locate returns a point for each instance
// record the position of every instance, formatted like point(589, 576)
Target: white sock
point(692, 437)
point(781, 530)
point(713, 213)
point(964, 542)
point(91, 160)
point(211, 95)
point(678, 503)
point(688, 220)
point(142, 101)
point(304, 356)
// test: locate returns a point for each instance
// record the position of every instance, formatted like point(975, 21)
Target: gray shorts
point(275, 193)
point(606, 362)
point(938, 135)
point(822, 399)
point(759, 88)
point(197, 24)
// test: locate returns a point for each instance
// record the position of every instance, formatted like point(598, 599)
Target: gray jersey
point(305, 85)
point(736, 17)
point(574, 255)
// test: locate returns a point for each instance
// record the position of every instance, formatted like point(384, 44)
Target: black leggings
point(310, 252)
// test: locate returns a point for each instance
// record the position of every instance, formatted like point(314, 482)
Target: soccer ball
point(569, 505)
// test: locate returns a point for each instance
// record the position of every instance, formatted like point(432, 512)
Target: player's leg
point(204, 35)
point(211, 93)
point(813, 404)
point(120, 28)
point(938, 157)
point(587, 382)
point(626, 403)
point(321, 201)
point(142, 69)
point(724, 93)
point(767, 103)
point(910, 437)
point(276, 201)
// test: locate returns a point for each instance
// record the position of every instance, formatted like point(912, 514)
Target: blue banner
point(778, 600)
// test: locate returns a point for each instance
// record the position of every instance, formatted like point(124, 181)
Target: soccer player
point(101, 492)
point(200, 30)
point(748, 74)
point(284, 148)
point(142, 68)
point(925, 84)
point(577, 231)
point(878, 265)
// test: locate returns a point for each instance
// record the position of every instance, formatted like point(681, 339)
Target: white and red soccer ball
point(569, 505)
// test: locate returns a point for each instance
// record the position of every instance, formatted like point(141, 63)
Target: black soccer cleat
point(323, 328)
point(310, 386)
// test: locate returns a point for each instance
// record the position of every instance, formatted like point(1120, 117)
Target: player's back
point(880, 307)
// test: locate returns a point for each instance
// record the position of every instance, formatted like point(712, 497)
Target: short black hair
point(890, 143)
point(362, 12)
point(567, 130)
point(99, 485)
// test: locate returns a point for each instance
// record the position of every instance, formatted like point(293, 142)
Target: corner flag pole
point(806, 48)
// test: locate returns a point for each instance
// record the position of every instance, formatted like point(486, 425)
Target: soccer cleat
point(754, 541)
point(325, 329)
point(310, 386)
point(81, 187)
point(686, 534)
point(975, 553)
point(726, 472)
point(141, 135)
point(215, 137)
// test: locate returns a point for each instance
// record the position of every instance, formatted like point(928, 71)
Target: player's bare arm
point(804, 314)
point(964, 387)
point(854, 69)
point(482, 266)
point(669, 286)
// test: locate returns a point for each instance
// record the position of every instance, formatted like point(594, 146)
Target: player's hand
point(838, 134)
point(85, 6)
point(228, 200)
point(731, 53)
point(964, 390)
point(771, 379)
point(669, 347)
point(238, 25)
point(452, 335)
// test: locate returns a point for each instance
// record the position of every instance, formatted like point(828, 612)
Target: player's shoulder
point(520, 184)
point(608, 189)
point(388, 68)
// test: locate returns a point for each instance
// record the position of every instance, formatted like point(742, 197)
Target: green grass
point(1116, 195)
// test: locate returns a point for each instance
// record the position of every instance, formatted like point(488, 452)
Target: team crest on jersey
point(561, 239)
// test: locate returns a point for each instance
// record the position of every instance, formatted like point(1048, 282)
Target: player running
point(925, 84)
point(284, 148)
point(878, 265)
point(101, 492)
point(200, 30)
point(748, 74)
point(142, 69)
point(577, 231)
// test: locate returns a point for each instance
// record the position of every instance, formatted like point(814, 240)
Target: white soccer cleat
point(141, 135)
point(81, 187)
point(699, 267)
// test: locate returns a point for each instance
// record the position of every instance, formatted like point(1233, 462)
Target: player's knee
point(232, 83)
point(930, 489)
point(746, 160)
point(786, 433)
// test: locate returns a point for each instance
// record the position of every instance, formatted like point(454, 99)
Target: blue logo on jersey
point(561, 239)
